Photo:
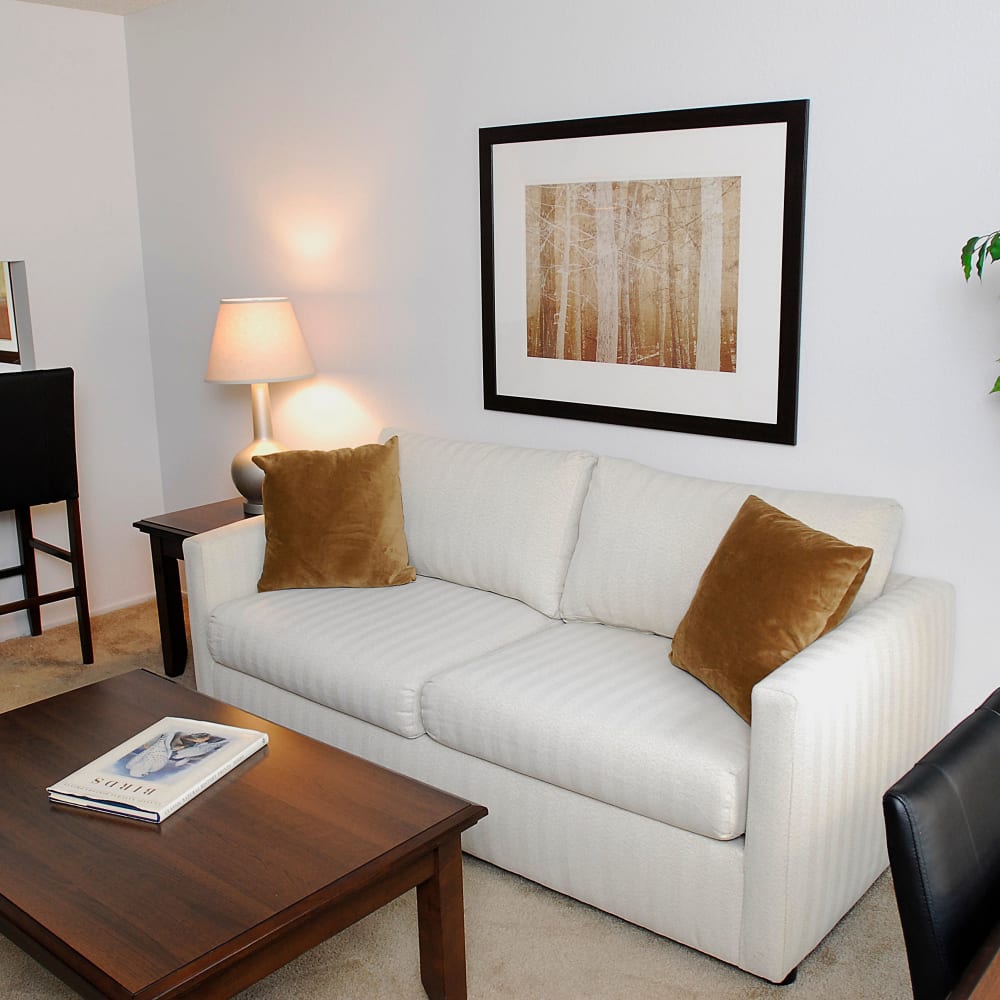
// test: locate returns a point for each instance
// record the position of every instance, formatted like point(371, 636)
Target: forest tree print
point(640, 272)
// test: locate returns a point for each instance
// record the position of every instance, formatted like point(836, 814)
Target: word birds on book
point(154, 773)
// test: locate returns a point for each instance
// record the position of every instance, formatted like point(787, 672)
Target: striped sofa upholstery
point(528, 669)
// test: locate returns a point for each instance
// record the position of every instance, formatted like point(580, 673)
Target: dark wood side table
point(166, 539)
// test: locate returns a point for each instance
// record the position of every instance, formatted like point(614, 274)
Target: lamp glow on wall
point(256, 342)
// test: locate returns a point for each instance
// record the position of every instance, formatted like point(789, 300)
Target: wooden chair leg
point(79, 579)
point(29, 574)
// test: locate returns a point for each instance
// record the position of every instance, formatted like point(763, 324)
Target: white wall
point(67, 187)
point(327, 150)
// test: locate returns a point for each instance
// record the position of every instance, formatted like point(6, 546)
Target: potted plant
point(981, 247)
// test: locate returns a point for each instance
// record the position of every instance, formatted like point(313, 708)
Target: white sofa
point(527, 669)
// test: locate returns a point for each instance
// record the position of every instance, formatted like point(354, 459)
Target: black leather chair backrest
point(943, 830)
point(39, 434)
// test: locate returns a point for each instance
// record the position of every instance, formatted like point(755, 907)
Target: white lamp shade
point(257, 340)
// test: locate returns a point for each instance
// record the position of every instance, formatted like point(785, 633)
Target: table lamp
point(257, 341)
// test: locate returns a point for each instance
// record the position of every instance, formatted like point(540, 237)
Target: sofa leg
point(790, 978)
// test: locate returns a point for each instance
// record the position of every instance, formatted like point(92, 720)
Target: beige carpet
point(523, 941)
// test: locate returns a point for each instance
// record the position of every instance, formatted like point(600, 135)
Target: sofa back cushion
point(494, 517)
point(646, 537)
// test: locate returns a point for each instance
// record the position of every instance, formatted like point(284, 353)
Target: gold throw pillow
point(773, 586)
point(334, 519)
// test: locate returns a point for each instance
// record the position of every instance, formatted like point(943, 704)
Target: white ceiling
point(103, 6)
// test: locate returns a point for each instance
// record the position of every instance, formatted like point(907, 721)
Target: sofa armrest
point(219, 565)
point(831, 730)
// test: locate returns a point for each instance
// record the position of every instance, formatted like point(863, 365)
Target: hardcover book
point(154, 773)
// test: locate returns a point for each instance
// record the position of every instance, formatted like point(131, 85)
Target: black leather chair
point(38, 463)
point(942, 823)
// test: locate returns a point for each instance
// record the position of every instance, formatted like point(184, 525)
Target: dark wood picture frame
point(10, 352)
point(759, 146)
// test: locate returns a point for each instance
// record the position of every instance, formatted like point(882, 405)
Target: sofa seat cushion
point(364, 652)
point(601, 711)
point(646, 537)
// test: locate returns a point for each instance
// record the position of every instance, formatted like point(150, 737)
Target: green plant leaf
point(967, 252)
point(981, 260)
point(996, 385)
point(995, 246)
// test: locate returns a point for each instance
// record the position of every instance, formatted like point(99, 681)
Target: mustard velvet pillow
point(334, 519)
point(773, 586)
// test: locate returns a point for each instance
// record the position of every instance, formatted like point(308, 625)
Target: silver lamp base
point(247, 477)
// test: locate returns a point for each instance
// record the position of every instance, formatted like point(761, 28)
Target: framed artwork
point(647, 269)
point(9, 351)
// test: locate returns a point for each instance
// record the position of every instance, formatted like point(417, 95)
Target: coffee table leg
point(441, 917)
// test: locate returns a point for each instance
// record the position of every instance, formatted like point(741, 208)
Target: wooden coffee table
point(291, 847)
